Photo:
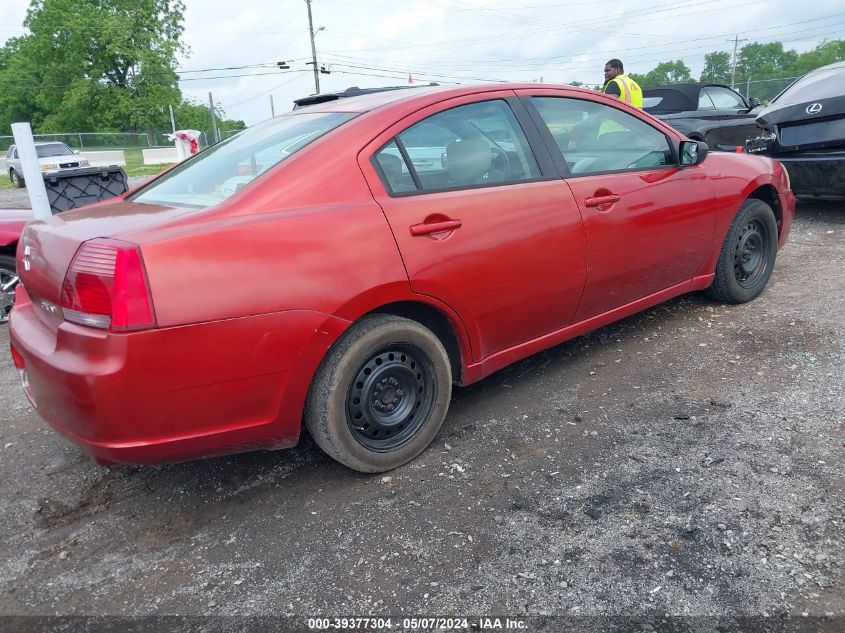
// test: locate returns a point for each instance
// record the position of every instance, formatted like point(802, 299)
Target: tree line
point(110, 66)
point(758, 67)
point(99, 66)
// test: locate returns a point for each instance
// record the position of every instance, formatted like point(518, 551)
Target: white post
point(31, 171)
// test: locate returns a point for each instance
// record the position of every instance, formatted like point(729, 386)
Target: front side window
point(472, 145)
point(724, 99)
point(594, 137)
point(223, 169)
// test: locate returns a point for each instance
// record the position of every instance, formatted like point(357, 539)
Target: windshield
point(223, 169)
point(52, 149)
point(820, 84)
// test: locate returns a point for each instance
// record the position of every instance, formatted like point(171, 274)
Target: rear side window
point(394, 169)
point(595, 138)
point(469, 146)
point(823, 83)
point(223, 169)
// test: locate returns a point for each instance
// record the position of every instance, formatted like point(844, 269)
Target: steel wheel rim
point(390, 397)
point(8, 281)
point(751, 255)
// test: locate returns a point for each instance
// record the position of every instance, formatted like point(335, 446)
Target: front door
point(478, 223)
point(736, 125)
point(649, 223)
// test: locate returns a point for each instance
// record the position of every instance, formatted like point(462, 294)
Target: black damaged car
point(804, 128)
point(713, 113)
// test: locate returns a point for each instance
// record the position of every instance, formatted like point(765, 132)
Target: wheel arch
point(768, 194)
point(445, 325)
point(10, 248)
point(438, 322)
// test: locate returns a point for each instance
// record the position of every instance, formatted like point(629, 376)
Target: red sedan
point(348, 262)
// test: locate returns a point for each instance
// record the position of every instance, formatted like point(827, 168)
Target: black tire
point(8, 277)
point(748, 254)
point(358, 409)
point(17, 179)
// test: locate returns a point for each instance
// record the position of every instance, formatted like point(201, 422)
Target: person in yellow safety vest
point(619, 84)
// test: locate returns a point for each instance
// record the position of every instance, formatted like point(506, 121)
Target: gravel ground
point(687, 461)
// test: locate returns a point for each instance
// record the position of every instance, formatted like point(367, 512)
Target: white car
point(53, 157)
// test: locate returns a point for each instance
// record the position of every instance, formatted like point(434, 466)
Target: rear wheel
point(748, 254)
point(8, 281)
point(380, 395)
point(17, 180)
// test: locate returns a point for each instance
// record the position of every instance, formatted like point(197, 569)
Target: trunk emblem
point(814, 108)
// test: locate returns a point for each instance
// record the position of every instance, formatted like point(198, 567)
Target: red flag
point(410, 79)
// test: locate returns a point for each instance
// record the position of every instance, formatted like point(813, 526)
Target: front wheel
point(17, 180)
point(748, 254)
point(380, 395)
point(8, 282)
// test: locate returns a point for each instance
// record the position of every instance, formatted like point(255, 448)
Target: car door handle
point(598, 201)
point(427, 228)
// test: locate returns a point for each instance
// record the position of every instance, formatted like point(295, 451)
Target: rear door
point(481, 218)
point(649, 223)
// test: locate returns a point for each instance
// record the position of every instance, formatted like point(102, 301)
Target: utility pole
point(172, 120)
point(272, 108)
point(736, 42)
point(313, 50)
point(214, 131)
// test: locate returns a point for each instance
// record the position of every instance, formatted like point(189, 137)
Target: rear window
point(223, 169)
point(819, 84)
point(52, 149)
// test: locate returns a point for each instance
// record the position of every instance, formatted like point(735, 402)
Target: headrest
point(468, 160)
point(390, 164)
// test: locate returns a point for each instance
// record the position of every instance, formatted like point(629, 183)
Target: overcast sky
point(379, 42)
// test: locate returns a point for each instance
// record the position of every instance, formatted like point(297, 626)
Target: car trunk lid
point(48, 247)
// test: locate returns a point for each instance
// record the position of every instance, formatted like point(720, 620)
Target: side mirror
point(693, 152)
point(754, 102)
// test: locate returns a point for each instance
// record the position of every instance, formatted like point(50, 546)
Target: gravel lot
point(685, 461)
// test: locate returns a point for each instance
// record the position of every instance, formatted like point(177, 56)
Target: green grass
point(134, 165)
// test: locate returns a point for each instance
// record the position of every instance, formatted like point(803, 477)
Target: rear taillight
point(106, 287)
point(17, 359)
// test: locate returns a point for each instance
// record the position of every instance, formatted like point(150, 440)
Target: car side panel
point(735, 178)
point(10, 232)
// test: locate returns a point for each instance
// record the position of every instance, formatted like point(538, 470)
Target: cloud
point(377, 42)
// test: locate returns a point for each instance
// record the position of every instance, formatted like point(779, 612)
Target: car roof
point(352, 91)
point(375, 100)
point(367, 101)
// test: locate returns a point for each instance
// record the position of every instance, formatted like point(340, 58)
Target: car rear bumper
point(787, 205)
point(816, 174)
point(170, 394)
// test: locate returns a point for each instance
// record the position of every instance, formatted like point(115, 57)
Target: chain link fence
point(763, 89)
point(115, 140)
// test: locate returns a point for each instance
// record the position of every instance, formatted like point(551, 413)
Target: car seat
point(467, 161)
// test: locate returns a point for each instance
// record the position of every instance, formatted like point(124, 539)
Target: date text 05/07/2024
point(415, 623)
